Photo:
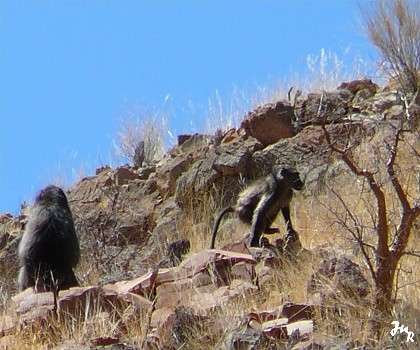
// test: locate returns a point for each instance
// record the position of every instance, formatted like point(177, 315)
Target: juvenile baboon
point(259, 204)
point(49, 248)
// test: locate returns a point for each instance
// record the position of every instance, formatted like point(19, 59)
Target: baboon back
point(49, 247)
point(248, 201)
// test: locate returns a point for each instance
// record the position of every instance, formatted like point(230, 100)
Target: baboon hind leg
point(268, 230)
point(260, 221)
point(26, 278)
point(271, 230)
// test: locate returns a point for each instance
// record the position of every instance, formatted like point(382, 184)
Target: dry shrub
point(141, 140)
point(393, 26)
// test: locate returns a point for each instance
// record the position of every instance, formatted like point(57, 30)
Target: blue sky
point(69, 70)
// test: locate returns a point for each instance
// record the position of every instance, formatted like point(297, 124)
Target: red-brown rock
point(270, 123)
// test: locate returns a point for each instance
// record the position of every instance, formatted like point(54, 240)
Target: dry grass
point(339, 318)
point(81, 329)
point(316, 216)
point(324, 71)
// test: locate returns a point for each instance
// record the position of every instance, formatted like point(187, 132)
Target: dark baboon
point(49, 248)
point(259, 204)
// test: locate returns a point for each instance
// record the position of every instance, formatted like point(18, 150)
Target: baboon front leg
point(257, 229)
point(286, 215)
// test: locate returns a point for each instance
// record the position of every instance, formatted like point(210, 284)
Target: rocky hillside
point(148, 279)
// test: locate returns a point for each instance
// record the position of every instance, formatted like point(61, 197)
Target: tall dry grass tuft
point(327, 70)
point(140, 140)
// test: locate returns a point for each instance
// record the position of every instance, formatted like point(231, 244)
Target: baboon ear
point(280, 173)
point(284, 172)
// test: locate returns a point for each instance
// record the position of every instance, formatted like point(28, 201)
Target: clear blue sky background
point(71, 69)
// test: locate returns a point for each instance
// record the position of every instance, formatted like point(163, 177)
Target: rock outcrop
point(137, 258)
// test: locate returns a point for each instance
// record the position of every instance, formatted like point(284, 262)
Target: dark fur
point(259, 204)
point(49, 248)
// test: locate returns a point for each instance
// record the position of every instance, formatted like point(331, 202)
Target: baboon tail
point(217, 224)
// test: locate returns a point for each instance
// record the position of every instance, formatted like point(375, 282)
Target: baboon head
point(291, 177)
point(52, 195)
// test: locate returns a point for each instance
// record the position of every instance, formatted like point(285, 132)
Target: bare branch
point(383, 235)
point(402, 196)
point(358, 235)
point(404, 230)
point(414, 253)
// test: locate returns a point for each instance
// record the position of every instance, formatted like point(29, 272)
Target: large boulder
point(270, 123)
point(324, 108)
point(338, 276)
